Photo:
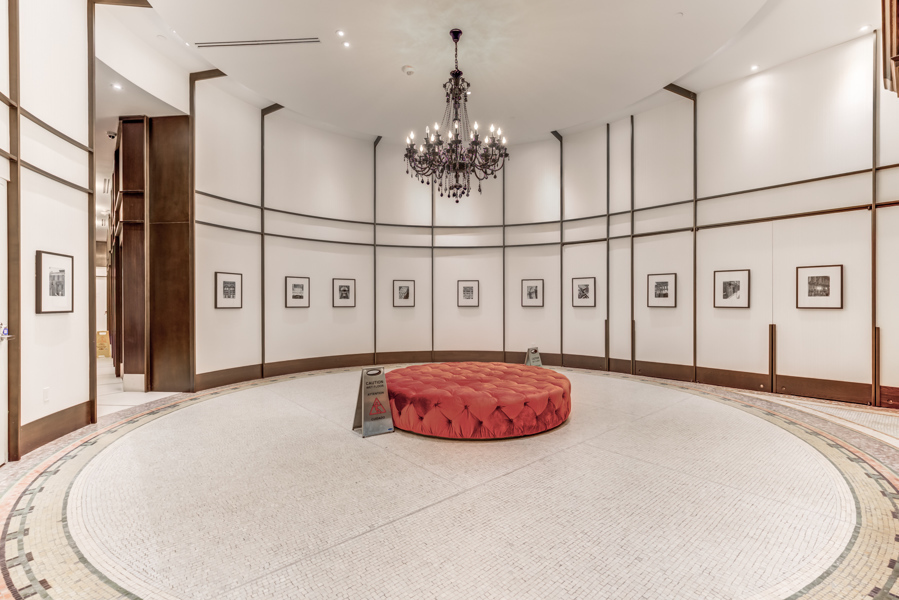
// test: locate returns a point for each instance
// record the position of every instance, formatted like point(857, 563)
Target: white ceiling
point(535, 66)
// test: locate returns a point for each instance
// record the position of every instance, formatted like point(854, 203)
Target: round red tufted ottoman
point(471, 400)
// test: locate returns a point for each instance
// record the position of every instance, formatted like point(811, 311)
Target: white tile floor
point(646, 492)
point(111, 396)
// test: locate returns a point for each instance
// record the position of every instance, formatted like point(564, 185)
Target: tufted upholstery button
point(478, 400)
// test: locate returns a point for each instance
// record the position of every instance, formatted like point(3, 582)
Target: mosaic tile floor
point(650, 490)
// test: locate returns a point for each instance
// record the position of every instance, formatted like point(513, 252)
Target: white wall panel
point(317, 229)
point(228, 214)
point(404, 236)
point(228, 145)
point(143, 65)
point(887, 292)
point(321, 329)
point(53, 63)
point(402, 199)
point(404, 329)
point(481, 236)
point(4, 129)
point(620, 299)
point(584, 327)
point(4, 48)
point(620, 165)
point(468, 328)
point(55, 353)
point(730, 338)
point(807, 118)
point(532, 182)
point(888, 185)
point(306, 170)
point(824, 344)
point(485, 208)
point(532, 325)
point(663, 153)
point(588, 229)
point(227, 338)
point(53, 154)
point(619, 225)
point(664, 335)
point(533, 234)
point(888, 141)
point(584, 174)
point(852, 190)
point(665, 218)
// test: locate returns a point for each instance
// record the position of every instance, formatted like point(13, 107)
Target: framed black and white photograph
point(54, 291)
point(532, 292)
point(403, 293)
point(819, 287)
point(583, 291)
point(344, 293)
point(296, 292)
point(732, 289)
point(228, 290)
point(468, 292)
point(661, 290)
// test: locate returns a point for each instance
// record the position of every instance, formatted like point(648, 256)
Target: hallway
point(111, 395)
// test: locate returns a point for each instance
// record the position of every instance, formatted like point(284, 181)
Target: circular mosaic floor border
point(40, 558)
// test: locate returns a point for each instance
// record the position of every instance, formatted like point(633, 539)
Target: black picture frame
point(287, 298)
point(477, 293)
point(334, 292)
point(411, 283)
point(835, 307)
point(40, 306)
point(239, 299)
point(650, 297)
point(715, 301)
point(525, 283)
point(574, 284)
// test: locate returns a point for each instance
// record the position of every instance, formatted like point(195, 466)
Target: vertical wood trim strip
point(146, 226)
point(608, 243)
point(433, 220)
point(695, 230)
point(504, 267)
point(14, 248)
point(561, 244)
point(374, 249)
point(875, 120)
point(633, 322)
point(92, 217)
point(264, 113)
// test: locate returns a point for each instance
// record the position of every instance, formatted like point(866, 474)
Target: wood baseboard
point(620, 365)
point(301, 365)
point(889, 397)
point(843, 391)
point(386, 358)
point(46, 429)
point(214, 379)
point(550, 359)
point(469, 355)
point(579, 361)
point(664, 370)
point(758, 382)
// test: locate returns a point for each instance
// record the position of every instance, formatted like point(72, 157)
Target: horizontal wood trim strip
point(134, 3)
point(207, 224)
point(664, 370)
point(843, 391)
point(47, 127)
point(304, 215)
point(301, 365)
point(742, 380)
point(214, 379)
point(469, 355)
point(619, 365)
point(56, 178)
point(889, 397)
point(223, 199)
point(46, 429)
point(579, 361)
point(386, 358)
point(7, 155)
point(782, 185)
point(203, 75)
point(550, 359)
point(814, 213)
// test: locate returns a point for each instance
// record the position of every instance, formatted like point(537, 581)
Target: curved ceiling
point(534, 65)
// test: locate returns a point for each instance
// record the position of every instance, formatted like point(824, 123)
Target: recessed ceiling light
point(754, 68)
point(469, 93)
point(117, 86)
point(346, 44)
point(340, 32)
point(863, 28)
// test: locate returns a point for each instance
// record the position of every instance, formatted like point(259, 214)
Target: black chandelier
point(453, 161)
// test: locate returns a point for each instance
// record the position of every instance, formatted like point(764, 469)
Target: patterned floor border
point(41, 560)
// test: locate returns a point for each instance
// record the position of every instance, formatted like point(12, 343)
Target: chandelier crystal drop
point(453, 152)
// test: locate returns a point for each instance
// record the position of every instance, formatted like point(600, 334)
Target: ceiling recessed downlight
point(117, 86)
point(754, 68)
point(340, 32)
point(864, 28)
point(346, 44)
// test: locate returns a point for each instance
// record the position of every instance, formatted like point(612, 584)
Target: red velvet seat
point(472, 400)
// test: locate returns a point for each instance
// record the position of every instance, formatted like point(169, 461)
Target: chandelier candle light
point(452, 161)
